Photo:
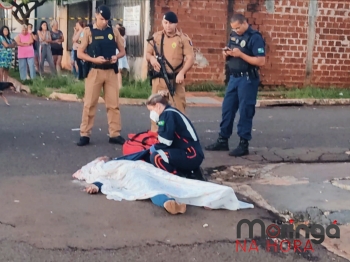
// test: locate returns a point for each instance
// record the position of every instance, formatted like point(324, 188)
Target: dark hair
point(156, 98)
point(43, 22)
point(81, 23)
point(238, 17)
point(2, 32)
point(29, 24)
point(121, 30)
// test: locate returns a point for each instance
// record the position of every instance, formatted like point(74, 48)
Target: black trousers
point(176, 160)
point(80, 65)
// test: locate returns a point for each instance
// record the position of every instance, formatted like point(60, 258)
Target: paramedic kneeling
point(178, 151)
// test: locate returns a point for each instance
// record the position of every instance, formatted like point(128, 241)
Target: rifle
point(163, 71)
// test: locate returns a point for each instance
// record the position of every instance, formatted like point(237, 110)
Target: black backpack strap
point(162, 54)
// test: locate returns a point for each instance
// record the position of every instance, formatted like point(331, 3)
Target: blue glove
point(152, 149)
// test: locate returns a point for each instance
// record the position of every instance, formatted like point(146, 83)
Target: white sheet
point(137, 180)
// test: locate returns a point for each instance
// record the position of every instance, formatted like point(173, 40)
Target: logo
point(173, 45)
point(285, 232)
point(81, 34)
point(243, 43)
point(110, 37)
point(233, 38)
point(260, 50)
point(161, 123)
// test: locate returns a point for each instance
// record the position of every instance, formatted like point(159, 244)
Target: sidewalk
point(316, 193)
point(199, 99)
point(208, 99)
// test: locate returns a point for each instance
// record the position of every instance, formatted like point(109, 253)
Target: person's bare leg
point(4, 98)
point(58, 64)
point(5, 75)
point(91, 189)
point(174, 208)
point(2, 75)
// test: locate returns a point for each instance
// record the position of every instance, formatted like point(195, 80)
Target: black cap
point(104, 11)
point(171, 17)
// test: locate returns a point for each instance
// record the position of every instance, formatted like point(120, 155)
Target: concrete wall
point(308, 42)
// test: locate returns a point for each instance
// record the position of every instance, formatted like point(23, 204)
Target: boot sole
point(225, 149)
point(239, 155)
point(83, 144)
point(174, 208)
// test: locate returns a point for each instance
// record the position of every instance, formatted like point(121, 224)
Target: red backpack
point(139, 142)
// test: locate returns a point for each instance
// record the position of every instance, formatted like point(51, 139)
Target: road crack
point(7, 224)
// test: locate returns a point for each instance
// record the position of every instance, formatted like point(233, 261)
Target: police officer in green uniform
point(101, 69)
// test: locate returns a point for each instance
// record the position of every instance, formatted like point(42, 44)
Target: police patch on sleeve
point(190, 42)
point(261, 50)
point(161, 123)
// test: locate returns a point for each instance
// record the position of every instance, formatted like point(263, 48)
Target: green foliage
point(318, 93)
point(205, 87)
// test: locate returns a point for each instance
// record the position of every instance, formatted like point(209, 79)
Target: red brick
point(285, 35)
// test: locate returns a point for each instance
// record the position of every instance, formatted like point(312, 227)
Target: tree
point(22, 10)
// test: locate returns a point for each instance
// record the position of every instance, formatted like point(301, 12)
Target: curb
point(301, 102)
point(260, 103)
point(19, 84)
point(75, 98)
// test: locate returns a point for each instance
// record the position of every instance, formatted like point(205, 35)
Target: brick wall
point(332, 46)
point(297, 53)
point(205, 22)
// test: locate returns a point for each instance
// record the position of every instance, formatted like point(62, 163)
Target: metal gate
point(77, 11)
point(134, 44)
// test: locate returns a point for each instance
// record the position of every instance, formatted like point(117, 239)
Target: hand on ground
point(91, 189)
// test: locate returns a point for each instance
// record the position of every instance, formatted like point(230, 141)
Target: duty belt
point(103, 67)
point(251, 73)
point(171, 76)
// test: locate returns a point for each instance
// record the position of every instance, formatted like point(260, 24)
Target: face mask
point(154, 116)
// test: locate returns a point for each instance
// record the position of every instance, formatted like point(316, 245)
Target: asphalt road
point(46, 217)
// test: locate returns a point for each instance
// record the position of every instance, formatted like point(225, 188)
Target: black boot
point(117, 140)
point(84, 140)
point(221, 144)
point(242, 149)
point(197, 174)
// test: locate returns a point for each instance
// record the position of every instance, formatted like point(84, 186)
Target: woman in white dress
point(122, 62)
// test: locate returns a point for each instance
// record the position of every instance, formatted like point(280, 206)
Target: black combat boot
point(84, 140)
point(117, 140)
point(197, 174)
point(242, 149)
point(221, 144)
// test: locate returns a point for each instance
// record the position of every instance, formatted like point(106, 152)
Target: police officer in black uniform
point(178, 151)
point(245, 53)
point(101, 69)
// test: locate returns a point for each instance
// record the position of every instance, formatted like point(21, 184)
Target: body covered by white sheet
point(137, 180)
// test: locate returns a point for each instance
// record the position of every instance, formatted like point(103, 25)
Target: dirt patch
point(234, 173)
